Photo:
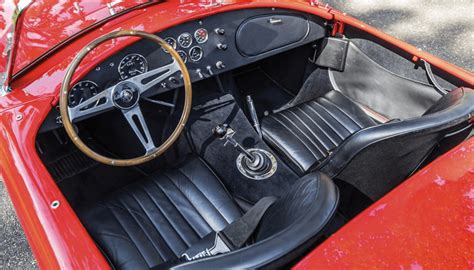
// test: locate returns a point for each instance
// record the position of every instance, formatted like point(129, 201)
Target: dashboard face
point(136, 62)
point(208, 47)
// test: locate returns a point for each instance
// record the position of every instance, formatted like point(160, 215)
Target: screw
point(55, 204)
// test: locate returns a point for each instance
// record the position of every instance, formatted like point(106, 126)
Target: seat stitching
point(174, 205)
point(141, 227)
point(291, 131)
point(129, 236)
point(333, 116)
point(202, 216)
point(166, 218)
point(310, 130)
point(279, 147)
point(186, 197)
point(320, 128)
point(341, 110)
point(179, 170)
point(325, 121)
point(304, 134)
point(115, 235)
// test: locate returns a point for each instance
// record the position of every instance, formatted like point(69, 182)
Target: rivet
point(55, 204)
point(18, 117)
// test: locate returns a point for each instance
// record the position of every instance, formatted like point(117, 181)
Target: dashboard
point(208, 46)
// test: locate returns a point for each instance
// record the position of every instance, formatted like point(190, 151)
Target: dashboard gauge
point(185, 40)
point(132, 65)
point(183, 55)
point(195, 54)
point(201, 35)
point(172, 42)
point(81, 92)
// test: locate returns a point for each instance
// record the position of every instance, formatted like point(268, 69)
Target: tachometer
point(81, 92)
point(132, 65)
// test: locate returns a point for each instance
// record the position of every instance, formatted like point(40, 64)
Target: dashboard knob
point(219, 31)
point(209, 70)
point(199, 73)
point(220, 65)
point(222, 46)
point(173, 80)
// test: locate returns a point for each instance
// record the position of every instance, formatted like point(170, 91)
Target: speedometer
point(81, 92)
point(132, 65)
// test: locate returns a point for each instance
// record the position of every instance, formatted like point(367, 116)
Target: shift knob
point(221, 130)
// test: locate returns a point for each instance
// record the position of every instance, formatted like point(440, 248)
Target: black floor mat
point(207, 113)
point(267, 93)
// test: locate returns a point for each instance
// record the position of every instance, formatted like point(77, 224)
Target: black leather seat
point(157, 219)
point(334, 135)
point(307, 133)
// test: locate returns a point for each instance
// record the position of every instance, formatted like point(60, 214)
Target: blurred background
point(443, 28)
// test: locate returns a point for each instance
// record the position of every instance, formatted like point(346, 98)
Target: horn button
point(125, 95)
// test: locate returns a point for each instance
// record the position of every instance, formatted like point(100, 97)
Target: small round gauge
point(172, 42)
point(201, 35)
point(132, 65)
point(185, 40)
point(195, 53)
point(183, 55)
point(81, 92)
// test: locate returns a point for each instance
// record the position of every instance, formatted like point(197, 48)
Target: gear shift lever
point(225, 132)
point(254, 163)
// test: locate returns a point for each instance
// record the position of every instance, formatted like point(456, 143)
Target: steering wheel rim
point(65, 110)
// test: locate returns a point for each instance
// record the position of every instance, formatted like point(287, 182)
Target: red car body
point(427, 221)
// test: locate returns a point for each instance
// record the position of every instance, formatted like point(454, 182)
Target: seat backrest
point(378, 158)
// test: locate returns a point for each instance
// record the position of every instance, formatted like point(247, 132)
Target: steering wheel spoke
point(153, 77)
point(94, 105)
point(137, 122)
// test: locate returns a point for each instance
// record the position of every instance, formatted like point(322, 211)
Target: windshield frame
point(10, 36)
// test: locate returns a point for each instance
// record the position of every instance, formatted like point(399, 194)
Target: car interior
point(286, 117)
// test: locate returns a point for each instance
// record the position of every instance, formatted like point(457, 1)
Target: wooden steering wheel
point(125, 96)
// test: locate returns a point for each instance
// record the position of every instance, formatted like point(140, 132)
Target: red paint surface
point(57, 237)
point(47, 23)
point(425, 223)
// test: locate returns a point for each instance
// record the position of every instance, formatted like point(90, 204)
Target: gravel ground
point(14, 250)
point(443, 28)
